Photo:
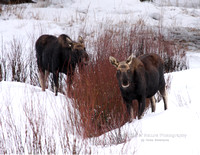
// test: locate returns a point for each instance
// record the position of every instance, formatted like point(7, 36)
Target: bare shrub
point(96, 98)
point(13, 10)
point(17, 63)
point(2, 63)
point(32, 68)
point(33, 130)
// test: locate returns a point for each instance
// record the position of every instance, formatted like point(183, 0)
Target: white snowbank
point(31, 117)
point(175, 131)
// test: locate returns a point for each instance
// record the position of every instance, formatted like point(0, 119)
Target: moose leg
point(69, 80)
point(153, 104)
point(129, 108)
point(41, 79)
point(70, 77)
point(55, 78)
point(163, 92)
point(141, 106)
point(131, 112)
point(45, 77)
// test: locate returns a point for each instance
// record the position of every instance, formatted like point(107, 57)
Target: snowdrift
point(25, 109)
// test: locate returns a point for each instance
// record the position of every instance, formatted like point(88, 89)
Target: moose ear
point(130, 58)
point(80, 40)
point(113, 61)
point(69, 41)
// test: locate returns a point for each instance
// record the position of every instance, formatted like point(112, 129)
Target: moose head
point(125, 70)
point(78, 48)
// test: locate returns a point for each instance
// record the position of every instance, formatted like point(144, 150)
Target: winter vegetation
point(91, 118)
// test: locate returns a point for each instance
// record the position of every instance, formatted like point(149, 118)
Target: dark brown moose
point(140, 78)
point(59, 55)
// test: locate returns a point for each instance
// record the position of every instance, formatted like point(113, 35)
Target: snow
point(175, 131)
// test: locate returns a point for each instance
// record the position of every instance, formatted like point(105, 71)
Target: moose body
point(140, 78)
point(59, 55)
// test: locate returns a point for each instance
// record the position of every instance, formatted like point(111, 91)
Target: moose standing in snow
point(140, 78)
point(59, 55)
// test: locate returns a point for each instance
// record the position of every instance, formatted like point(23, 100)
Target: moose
point(60, 54)
point(140, 78)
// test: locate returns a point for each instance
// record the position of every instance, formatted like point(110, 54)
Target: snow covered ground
point(175, 131)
